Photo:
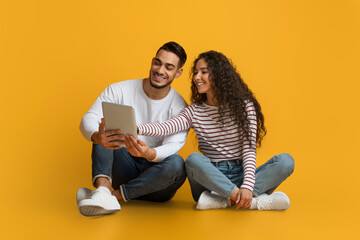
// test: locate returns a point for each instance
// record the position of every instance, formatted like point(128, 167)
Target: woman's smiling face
point(201, 78)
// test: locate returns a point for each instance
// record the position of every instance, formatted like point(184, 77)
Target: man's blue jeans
point(136, 177)
point(222, 177)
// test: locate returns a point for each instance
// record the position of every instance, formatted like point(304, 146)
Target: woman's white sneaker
point(212, 201)
point(274, 201)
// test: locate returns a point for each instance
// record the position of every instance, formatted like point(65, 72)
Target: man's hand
point(111, 139)
point(139, 148)
point(244, 198)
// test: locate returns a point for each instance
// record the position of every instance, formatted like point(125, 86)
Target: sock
point(253, 204)
point(105, 189)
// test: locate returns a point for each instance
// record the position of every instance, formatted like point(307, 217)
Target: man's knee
point(177, 162)
point(172, 171)
point(287, 163)
point(174, 166)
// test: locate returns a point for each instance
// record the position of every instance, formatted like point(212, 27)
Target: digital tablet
point(117, 116)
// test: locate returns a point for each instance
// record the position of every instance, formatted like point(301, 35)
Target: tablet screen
point(118, 116)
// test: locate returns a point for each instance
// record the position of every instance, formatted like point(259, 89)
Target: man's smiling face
point(164, 69)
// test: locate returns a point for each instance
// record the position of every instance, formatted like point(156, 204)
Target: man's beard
point(160, 87)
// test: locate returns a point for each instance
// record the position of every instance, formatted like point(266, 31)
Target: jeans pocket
point(236, 169)
point(223, 168)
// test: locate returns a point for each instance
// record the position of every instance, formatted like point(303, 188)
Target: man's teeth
point(158, 77)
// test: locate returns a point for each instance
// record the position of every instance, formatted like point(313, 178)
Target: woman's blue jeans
point(223, 177)
point(137, 177)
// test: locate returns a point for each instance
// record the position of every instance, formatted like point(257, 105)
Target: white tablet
point(117, 116)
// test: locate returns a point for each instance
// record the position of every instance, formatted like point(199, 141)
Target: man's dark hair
point(177, 50)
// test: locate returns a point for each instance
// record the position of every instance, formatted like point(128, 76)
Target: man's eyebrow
point(157, 59)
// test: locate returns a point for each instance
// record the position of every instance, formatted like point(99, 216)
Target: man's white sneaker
point(83, 193)
point(100, 203)
point(212, 201)
point(274, 201)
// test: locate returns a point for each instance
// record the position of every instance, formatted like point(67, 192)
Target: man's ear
point(178, 73)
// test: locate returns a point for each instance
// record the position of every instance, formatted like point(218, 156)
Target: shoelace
point(213, 200)
point(98, 195)
point(264, 204)
point(218, 197)
point(221, 200)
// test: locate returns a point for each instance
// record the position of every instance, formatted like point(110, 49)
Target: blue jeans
point(223, 177)
point(136, 177)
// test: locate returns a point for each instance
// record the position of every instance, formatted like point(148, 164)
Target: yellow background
point(300, 58)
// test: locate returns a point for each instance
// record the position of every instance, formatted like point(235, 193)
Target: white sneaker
point(83, 193)
point(100, 203)
point(212, 201)
point(274, 201)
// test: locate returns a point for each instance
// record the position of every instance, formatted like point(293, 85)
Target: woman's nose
point(197, 76)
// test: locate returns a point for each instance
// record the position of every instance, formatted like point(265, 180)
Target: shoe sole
point(96, 211)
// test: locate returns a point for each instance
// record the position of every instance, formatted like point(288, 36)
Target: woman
point(229, 125)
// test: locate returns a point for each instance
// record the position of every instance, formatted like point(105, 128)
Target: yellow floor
point(52, 214)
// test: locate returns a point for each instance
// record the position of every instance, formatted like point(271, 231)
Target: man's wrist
point(93, 137)
point(151, 154)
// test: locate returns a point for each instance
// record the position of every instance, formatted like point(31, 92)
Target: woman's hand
point(243, 198)
point(138, 148)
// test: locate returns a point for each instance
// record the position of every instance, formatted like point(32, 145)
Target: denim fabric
point(139, 178)
point(222, 177)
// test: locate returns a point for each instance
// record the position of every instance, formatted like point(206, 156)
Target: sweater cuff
point(251, 188)
point(157, 158)
point(140, 129)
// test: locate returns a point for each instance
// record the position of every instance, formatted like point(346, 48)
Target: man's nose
point(161, 70)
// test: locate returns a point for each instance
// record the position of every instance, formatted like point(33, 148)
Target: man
point(148, 168)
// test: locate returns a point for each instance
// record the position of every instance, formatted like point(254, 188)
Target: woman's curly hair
point(230, 92)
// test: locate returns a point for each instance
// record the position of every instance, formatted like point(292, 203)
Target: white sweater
point(147, 110)
point(217, 142)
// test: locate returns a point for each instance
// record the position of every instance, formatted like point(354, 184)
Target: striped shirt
point(216, 141)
